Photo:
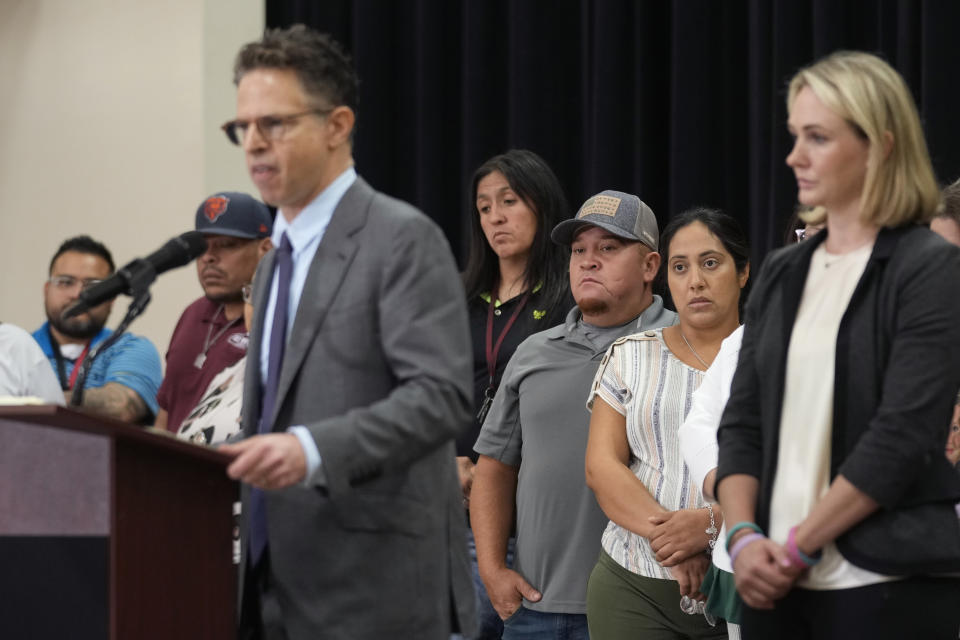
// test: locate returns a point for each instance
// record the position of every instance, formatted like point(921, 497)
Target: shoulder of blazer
point(789, 256)
point(915, 241)
point(772, 269)
point(362, 204)
point(353, 209)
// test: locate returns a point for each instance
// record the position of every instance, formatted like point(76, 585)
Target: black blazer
point(896, 377)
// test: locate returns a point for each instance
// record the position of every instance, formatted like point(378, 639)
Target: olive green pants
point(625, 606)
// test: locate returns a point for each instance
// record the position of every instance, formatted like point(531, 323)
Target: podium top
point(73, 420)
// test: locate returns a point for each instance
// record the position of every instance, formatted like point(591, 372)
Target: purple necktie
point(278, 335)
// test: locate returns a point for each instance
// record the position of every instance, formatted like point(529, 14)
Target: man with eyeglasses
point(123, 381)
point(210, 335)
point(358, 376)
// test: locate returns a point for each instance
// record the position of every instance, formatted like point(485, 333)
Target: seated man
point(216, 418)
point(123, 381)
point(210, 335)
point(24, 371)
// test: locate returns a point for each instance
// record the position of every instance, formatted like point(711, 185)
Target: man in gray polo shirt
point(533, 441)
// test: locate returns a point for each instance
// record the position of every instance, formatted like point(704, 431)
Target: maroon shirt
point(184, 384)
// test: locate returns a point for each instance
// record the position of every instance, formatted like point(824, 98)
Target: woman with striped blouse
point(653, 550)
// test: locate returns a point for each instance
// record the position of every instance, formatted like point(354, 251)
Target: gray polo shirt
point(539, 423)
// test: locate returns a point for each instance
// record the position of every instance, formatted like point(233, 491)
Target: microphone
point(139, 273)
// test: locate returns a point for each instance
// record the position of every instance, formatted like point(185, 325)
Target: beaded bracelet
point(712, 530)
point(799, 558)
point(739, 526)
point(741, 544)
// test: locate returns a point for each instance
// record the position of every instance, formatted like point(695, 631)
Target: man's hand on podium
point(269, 461)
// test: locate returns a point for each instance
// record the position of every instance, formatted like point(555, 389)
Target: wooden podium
point(109, 531)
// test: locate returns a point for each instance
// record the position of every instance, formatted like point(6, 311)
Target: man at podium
point(358, 376)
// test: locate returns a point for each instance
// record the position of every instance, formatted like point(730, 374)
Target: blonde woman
point(837, 496)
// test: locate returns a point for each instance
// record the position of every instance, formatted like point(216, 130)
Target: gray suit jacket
point(378, 368)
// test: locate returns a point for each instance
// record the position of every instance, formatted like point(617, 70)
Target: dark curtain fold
point(679, 102)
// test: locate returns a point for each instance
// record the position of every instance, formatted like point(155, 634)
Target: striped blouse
point(642, 380)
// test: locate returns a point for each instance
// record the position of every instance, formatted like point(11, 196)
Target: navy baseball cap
point(231, 213)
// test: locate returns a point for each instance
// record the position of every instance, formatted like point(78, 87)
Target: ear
point(743, 277)
point(263, 247)
point(887, 144)
point(651, 265)
point(340, 123)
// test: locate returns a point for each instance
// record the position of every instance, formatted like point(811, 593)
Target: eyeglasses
point(271, 128)
point(247, 292)
point(69, 282)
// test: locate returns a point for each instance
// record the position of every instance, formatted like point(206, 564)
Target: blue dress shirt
point(305, 233)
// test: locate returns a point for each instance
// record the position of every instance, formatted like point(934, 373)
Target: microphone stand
point(140, 280)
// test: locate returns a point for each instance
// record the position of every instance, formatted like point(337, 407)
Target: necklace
point(208, 342)
point(693, 351)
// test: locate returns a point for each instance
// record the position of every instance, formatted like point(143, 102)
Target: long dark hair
point(724, 227)
point(535, 183)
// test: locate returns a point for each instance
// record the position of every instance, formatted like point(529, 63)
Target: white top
point(25, 371)
point(217, 416)
point(806, 423)
point(642, 380)
point(698, 434)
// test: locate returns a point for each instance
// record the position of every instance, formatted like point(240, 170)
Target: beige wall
point(109, 125)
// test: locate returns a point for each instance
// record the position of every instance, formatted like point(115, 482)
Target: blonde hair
point(869, 94)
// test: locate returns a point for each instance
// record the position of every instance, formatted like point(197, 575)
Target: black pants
point(927, 608)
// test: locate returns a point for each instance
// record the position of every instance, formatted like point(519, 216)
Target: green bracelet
point(739, 527)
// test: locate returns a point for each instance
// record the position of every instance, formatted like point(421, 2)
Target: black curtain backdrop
point(679, 102)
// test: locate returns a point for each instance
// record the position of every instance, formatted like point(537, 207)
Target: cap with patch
point(622, 214)
point(231, 213)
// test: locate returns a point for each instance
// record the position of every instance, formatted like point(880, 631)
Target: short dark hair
point(324, 70)
point(724, 227)
point(83, 244)
point(951, 202)
point(534, 182)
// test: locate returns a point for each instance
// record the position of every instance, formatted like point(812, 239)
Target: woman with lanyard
point(832, 478)
point(516, 284)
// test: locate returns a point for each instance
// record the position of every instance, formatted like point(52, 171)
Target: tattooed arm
point(116, 401)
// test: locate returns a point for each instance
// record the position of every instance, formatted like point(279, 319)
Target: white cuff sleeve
point(315, 475)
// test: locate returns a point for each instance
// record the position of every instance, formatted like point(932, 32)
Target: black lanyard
point(493, 349)
point(65, 383)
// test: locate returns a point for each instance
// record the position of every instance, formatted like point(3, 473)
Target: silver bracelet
point(712, 530)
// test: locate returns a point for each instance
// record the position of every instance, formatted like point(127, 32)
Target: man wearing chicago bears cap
point(210, 335)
